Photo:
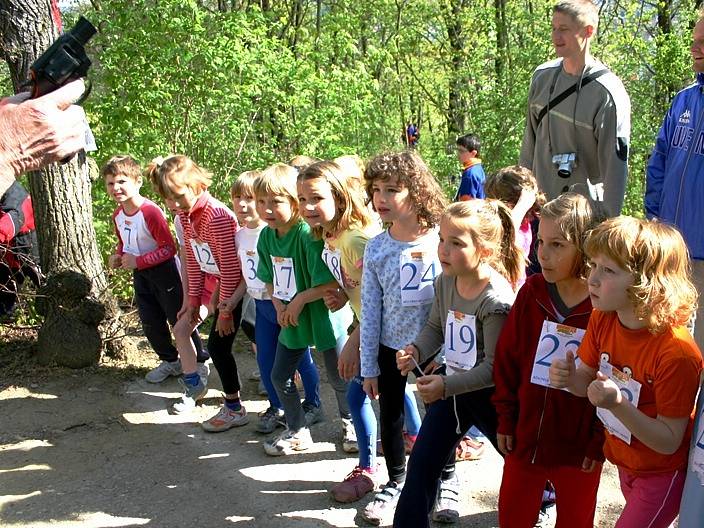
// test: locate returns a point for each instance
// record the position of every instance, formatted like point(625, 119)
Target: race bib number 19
point(555, 341)
point(460, 341)
point(204, 257)
point(418, 271)
point(284, 278)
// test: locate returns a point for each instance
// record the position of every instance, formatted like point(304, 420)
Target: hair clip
point(158, 161)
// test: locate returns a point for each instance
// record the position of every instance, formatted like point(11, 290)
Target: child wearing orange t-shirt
point(639, 365)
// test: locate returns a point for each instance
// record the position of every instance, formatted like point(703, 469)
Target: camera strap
point(564, 95)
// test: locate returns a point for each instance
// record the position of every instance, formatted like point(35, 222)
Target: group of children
point(587, 359)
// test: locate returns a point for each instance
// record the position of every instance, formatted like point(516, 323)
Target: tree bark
point(81, 315)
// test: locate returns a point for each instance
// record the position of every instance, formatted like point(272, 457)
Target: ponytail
point(510, 258)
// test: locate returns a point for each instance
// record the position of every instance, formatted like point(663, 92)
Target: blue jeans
point(266, 336)
point(365, 424)
point(284, 367)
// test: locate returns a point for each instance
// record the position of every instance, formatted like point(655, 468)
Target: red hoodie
point(550, 427)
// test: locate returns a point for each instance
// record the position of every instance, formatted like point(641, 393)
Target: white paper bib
point(333, 260)
point(555, 341)
point(284, 278)
point(418, 270)
point(250, 261)
point(204, 257)
point(460, 341)
point(630, 389)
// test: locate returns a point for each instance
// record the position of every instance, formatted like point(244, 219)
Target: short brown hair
point(177, 170)
point(244, 184)
point(122, 164)
point(584, 12)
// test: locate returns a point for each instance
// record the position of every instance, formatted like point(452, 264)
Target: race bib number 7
point(284, 278)
point(555, 341)
point(418, 271)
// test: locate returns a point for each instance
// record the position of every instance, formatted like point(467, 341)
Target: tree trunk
point(81, 316)
point(457, 83)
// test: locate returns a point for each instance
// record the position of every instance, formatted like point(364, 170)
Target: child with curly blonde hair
point(639, 365)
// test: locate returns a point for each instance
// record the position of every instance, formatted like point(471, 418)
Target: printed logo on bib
point(250, 260)
point(460, 341)
point(555, 341)
point(284, 278)
point(418, 271)
point(204, 257)
point(697, 463)
point(630, 389)
point(333, 260)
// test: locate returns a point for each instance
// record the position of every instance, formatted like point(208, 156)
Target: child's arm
point(661, 434)
point(295, 307)
point(230, 304)
point(348, 362)
point(525, 201)
point(115, 260)
point(159, 229)
point(372, 302)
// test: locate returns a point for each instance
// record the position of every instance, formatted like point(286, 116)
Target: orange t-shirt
point(667, 366)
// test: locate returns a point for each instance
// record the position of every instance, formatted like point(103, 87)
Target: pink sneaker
point(355, 486)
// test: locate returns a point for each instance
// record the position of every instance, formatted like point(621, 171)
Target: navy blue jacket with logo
point(674, 191)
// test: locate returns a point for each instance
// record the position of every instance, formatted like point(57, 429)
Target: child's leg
point(436, 439)
point(336, 382)
point(392, 386)
point(266, 335)
point(310, 378)
point(183, 329)
point(220, 348)
point(521, 493)
point(576, 495)
point(285, 364)
point(148, 285)
point(364, 421)
point(411, 414)
point(651, 501)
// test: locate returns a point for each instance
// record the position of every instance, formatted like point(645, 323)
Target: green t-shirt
point(298, 250)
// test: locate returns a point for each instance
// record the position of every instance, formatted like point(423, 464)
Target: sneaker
point(469, 449)
point(313, 414)
point(355, 486)
point(547, 515)
point(349, 437)
point(203, 370)
point(191, 395)
point(261, 389)
point(383, 504)
point(226, 419)
point(446, 501)
point(163, 370)
point(289, 442)
point(269, 420)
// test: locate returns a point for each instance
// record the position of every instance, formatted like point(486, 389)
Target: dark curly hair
point(409, 169)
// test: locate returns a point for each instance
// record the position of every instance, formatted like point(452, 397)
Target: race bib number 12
point(204, 257)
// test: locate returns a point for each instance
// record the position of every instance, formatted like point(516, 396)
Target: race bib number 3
point(250, 260)
point(418, 271)
point(460, 340)
point(204, 257)
point(630, 389)
point(555, 340)
point(284, 278)
point(333, 260)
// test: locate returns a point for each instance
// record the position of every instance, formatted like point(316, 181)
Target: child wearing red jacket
point(545, 433)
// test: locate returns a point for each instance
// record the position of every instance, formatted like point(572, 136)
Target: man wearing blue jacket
point(674, 191)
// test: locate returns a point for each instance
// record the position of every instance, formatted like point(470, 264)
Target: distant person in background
point(412, 135)
point(473, 177)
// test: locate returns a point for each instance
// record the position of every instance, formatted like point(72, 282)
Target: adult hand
point(37, 132)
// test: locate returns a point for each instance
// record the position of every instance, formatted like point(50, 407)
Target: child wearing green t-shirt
point(291, 267)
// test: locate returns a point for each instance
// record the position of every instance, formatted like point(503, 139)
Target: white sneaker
point(349, 436)
point(289, 442)
point(190, 397)
point(447, 501)
point(163, 370)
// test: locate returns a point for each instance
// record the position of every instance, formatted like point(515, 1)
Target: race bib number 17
point(284, 278)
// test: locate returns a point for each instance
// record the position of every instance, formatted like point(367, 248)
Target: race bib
point(333, 260)
point(250, 260)
point(460, 341)
point(204, 257)
point(129, 234)
point(418, 271)
point(555, 340)
point(284, 278)
point(697, 463)
point(630, 389)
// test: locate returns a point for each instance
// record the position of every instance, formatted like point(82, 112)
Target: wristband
point(224, 315)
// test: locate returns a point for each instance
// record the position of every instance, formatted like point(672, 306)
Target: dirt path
point(91, 449)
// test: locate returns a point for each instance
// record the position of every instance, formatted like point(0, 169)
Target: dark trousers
point(159, 297)
point(220, 348)
point(392, 388)
point(436, 442)
point(10, 282)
